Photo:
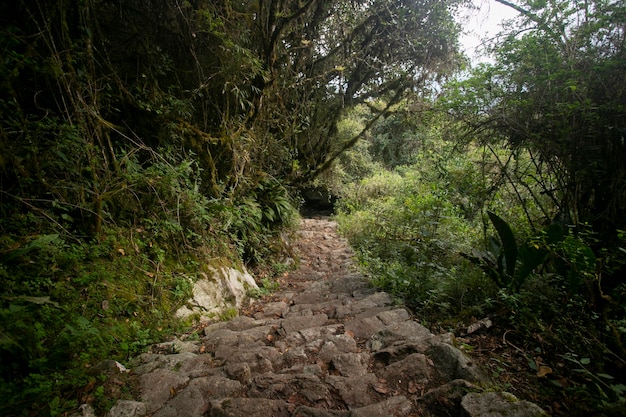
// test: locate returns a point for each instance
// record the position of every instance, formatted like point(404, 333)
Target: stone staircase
point(326, 344)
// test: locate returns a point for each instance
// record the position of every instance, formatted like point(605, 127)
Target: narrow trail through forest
point(325, 344)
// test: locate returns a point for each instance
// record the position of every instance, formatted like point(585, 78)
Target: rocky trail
point(325, 344)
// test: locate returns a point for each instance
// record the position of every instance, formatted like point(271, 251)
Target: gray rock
point(220, 325)
point(241, 323)
point(315, 334)
point(305, 388)
point(452, 364)
point(217, 386)
point(194, 400)
point(372, 311)
point(273, 310)
point(198, 366)
point(354, 391)
point(225, 289)
point(313, 369)
point(259, 358)
point(499, 404)
point(305, 411)
point(400, 333)
point(158, 386)
point(85, 410)
point(224, 341)
point(294, 324)
point(394, 316)
point(239, 371)
point(177, 346)
point(378, 299)
point(310, 297)
point(295, 356)
point(395, 406)
point(148, 362)
point(351, 364)
point(125, 408)
point(414, 370)
point(247, 407)
point(445, 400)
point(363, 328)
point(336, 345)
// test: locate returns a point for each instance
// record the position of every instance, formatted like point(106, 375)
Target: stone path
point(326, 344)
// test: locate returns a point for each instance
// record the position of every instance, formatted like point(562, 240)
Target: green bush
point(408, 233)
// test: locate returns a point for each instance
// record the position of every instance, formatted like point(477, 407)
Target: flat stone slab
point(294, 324)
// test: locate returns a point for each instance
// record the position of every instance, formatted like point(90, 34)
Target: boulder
point(223, 291)
point(452, 364)
point(499, 404)
point(124, 408)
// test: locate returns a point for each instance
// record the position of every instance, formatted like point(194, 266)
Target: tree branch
point(560, 38)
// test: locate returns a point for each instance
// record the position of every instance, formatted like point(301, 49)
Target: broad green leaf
point(509, 246)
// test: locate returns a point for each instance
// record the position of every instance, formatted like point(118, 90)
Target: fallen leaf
point(349, 334)
point(381, 388)
point(121, 251)
point(543, 371)
point(89, 387)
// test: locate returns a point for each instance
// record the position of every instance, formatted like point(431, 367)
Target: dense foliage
point(144, 141)
point(507, 200)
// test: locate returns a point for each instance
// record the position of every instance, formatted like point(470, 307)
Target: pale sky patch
point(482, 24)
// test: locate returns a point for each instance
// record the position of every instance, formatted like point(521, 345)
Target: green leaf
point(619, 389)
point(555, 233)
point(531, 257)
point(509, 246)
point(585, 361)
